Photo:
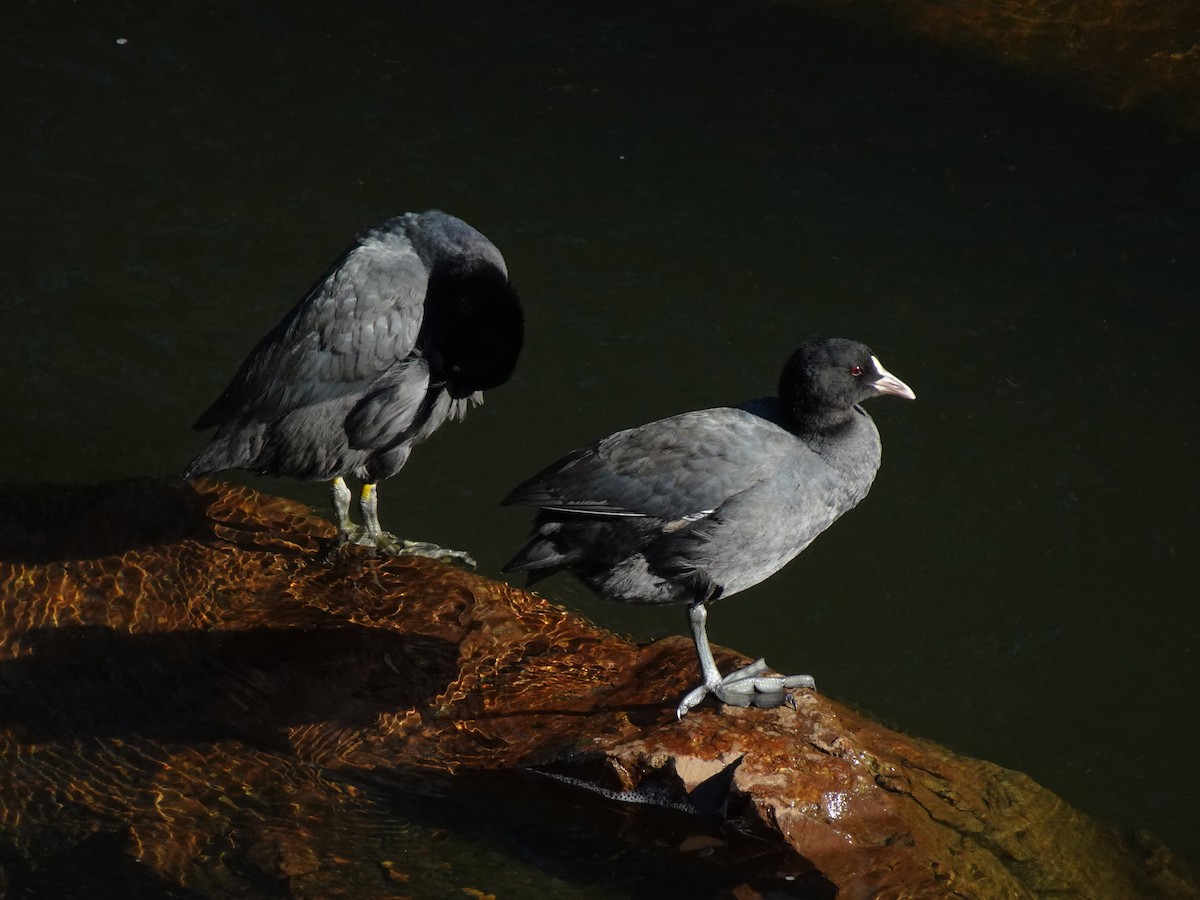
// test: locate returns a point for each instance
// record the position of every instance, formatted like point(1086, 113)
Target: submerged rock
point(197, 694)
point(1124, 55)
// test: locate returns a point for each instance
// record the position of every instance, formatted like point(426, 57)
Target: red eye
point(856, 371)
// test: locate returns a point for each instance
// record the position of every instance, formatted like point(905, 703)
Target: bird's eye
point(856, 371)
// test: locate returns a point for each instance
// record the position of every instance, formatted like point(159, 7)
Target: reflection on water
point(1137, 56)
point(480, 835)
point(683, 193)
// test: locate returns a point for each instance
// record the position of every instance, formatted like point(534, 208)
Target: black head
point(824, 380)
point(473, 328)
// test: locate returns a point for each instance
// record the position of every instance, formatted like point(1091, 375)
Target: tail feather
point(232, 448)
point(213, 458)
point(538, 559)
point(579, 543)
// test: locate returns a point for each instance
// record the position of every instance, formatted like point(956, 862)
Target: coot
point(702, 505)
point(406, 329)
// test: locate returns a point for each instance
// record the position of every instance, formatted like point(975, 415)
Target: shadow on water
point(42, 523)
point(638, 851)
point(505, 826)
point(197, 686)
point(94, 868)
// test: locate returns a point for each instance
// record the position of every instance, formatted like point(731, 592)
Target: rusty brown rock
point(167, 647)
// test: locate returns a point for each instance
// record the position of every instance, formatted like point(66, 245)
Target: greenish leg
point(348, 532)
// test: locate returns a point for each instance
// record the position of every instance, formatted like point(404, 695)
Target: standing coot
point(403, 333)
point(705, 504)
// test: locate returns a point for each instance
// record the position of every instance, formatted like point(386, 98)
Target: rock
point(194, 688)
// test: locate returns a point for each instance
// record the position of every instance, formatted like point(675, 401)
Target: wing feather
point(680, 468)
point(362, 317)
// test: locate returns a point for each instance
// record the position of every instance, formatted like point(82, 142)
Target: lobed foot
point(747, 686)
point(386, 542)
point(393, 546)
point(371, 534)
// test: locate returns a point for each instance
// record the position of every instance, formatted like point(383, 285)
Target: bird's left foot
point(393, 546)
point(354, 534)
point(747, 686)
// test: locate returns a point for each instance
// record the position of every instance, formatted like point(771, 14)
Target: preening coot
point(702, 505)
point(404, 332)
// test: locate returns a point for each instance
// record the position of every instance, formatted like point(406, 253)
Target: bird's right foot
point(393, 546)
point(388, 543)
point(747, 686)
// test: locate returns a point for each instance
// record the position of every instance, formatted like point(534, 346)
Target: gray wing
point(362, 317)
point(679, 468)
point(757, 531)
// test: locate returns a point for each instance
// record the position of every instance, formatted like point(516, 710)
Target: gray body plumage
point(705, 503)
point(359, 371)
point(401, 335)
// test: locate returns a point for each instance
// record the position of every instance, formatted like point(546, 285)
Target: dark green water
point(683, 193)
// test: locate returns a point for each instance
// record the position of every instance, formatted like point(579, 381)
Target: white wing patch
point(687, 520)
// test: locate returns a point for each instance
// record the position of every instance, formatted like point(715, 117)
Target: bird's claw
point(355, 534)
point(388, 543)
point(747, 686)
point(393, 546)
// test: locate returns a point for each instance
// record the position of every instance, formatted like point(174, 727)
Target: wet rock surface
point(199, 697)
